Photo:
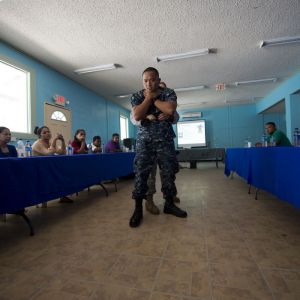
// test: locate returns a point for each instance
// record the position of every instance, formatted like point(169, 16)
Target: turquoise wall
point(90, 111)
point(288, 87)
point(225, 126)
point(230, 126)
point(289, 92)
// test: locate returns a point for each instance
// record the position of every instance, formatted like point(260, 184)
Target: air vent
point(191, 115)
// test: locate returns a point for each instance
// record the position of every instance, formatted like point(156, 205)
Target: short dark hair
point(3, 128)
point(96, 137)
point(38, 130)
point(271, 123)
point(115, 134)
point(151, 69)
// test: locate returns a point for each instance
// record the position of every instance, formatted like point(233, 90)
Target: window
point(15, 101)
point(123, 127)
point(59, 116)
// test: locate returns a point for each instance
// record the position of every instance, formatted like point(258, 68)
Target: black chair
point(129, 143)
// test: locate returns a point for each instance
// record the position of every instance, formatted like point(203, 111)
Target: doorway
point(59, 120)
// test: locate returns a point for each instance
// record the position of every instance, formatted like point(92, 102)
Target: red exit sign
point(220, 86)
point(60, 100)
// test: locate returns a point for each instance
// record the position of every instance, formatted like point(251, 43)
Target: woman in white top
point(43, 146)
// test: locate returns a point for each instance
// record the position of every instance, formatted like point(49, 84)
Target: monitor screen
point(191, 134)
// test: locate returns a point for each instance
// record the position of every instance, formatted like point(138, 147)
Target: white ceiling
point(73, 34)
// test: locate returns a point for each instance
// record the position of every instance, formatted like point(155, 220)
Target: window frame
point(127, 126)
point(31, 102)
point(60, 120)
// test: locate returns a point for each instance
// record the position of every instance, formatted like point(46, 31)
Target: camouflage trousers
point(148, 154)
point(151, 183)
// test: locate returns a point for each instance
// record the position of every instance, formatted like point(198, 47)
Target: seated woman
point(43, 146)
point(79, 144)
point(5, 149)
point(10, 151)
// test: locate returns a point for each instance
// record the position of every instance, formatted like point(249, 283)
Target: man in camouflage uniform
point(150, 205)
point(154, 142)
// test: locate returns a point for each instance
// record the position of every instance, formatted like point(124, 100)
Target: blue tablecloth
point(274, 169)
point(29, 181)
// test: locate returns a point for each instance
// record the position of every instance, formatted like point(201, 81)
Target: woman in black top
point(5, 149)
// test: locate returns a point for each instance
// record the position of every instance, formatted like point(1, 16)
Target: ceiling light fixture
point(95, 69)
point(280, 41)
point(258, 81)
point(191, 88)
point(235, 101)
point(183, 55)
point(124, 96)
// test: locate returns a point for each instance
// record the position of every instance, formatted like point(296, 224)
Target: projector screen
point(191, 134)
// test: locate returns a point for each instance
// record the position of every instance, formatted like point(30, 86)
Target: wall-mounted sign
point(220, 86)
point(60, 100)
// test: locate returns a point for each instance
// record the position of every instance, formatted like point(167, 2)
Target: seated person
point(113, 145)
point(79, 144)
point(5, 149)
point(258, 144)
point(276, 137)
point(96, 144)
point(43, 146)
point(10, 151)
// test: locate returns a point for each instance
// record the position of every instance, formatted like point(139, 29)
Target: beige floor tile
point(23, 285)
point(134, 271)
point(160, 296)
point(229, 247)
point(183, 278)
point(230, 293)
point(114, 292)
point(47, 294)
point(239, 277)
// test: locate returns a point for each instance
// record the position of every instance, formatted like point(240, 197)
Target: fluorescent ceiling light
point(191, 88)
point(183, 55)
point(258, 81)
point(235, 101)
point(95, 69)
point(124, 96)
point(280, 41)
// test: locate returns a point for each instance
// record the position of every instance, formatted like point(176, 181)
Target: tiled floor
point(230, 246)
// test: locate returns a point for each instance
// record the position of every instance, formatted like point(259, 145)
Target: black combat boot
point(137, 216)
point(172, 209)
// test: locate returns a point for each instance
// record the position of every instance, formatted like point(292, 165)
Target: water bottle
point(296, 137)
point(272, 141)
point(264, 141)
point(103, 148)
point(69, 148)
point(90, 151)
point(248, 143)
point(28, 149)
point(20, 148)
